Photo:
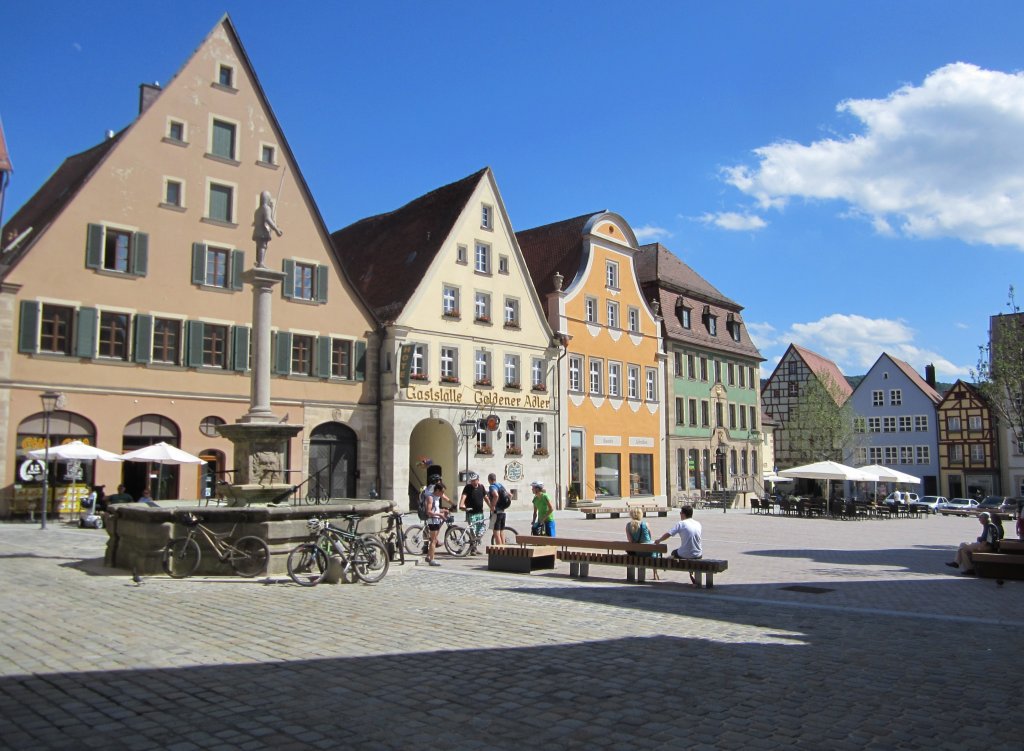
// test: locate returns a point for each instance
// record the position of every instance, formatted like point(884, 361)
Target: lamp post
point(49, 400)
point(468, 427)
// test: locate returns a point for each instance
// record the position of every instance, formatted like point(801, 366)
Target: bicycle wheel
point(457, 540)
point(250, 556)
point(369, 559)
point(307, 564)
point(181, 557)
point(414, 539)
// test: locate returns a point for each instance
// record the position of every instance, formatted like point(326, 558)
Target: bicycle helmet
point(314, 524)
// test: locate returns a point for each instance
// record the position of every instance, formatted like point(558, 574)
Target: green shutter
point(140, 256)
point(194, 335)
point(85, 336)
point(240, 349)
point(321, 284)
point(283, 353)
point(94, 246)
point(288, 285)
point(198, 263)
point(237, 267)
point(143, 338)
point(323, 356)
point(360, 361)
point(28, 334)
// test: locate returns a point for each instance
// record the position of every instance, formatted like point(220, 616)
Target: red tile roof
point(5, 156)
point(554, 247)
point(822, 367)
point(386, 256)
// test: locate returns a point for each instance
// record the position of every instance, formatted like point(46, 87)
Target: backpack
point(426, 496)
point(504, 499)
point(997, 524)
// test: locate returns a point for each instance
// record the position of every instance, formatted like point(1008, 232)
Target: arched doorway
point(432, 443)
point(161, 479)
point(332, 461)
point(68, 481)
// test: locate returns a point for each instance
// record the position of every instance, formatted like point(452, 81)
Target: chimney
point(148, 92)
point(929, 375)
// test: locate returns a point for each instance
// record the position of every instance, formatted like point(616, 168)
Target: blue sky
point(852, 173)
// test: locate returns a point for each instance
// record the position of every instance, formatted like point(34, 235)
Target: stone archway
point(161, 479)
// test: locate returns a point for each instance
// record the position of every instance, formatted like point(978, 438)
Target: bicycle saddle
point(190, 520)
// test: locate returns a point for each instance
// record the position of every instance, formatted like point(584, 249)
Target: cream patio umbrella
point(162, 453)
point(76, 451)
point(827, 471)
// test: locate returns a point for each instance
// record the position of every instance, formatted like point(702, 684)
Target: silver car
point(957, 505)
point(929, 503)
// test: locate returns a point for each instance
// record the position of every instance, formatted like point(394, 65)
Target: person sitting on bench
point(689, 532)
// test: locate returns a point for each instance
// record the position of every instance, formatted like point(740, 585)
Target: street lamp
point(49, 400)
point(468, 427)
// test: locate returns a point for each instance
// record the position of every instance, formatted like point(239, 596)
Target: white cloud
point(76, 46)
point(732, 220)
point(649, 233)
point(854, 343)
point(942, 159)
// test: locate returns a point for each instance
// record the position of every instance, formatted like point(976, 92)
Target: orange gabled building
point(611, 377)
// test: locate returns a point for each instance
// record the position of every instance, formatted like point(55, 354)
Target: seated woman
point(638, 531)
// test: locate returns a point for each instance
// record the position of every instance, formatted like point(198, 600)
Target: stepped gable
point(386, 256)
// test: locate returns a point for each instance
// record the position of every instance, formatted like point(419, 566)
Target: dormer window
point(683, 313)
point(711, 321)
point(733, 324)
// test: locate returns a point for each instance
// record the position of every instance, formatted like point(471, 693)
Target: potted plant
point(539, 387)
point(483, 382)
point(449, 379)
point(540, 451)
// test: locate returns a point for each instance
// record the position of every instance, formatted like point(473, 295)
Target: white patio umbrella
point(162, 453)
point(887, 474)
point(76, 451)
point(827, 471)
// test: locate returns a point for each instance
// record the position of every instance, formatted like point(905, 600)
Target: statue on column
point(262, 224)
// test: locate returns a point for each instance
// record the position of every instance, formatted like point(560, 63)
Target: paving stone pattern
point(898, 653)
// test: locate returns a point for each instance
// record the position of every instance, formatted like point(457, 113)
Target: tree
point(1000, 373)
point(820, 424)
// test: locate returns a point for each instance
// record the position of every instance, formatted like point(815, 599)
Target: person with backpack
point(499, 500)
point(434, 518)
point(987, 542)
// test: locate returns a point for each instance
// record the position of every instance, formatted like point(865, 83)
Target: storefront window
point(607, 475)
point(641, 474)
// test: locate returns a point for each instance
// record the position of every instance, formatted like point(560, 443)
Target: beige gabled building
point(122, 291)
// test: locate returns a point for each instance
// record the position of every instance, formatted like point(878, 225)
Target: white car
point(957, 504)
point(929, 503)
point(906, 499)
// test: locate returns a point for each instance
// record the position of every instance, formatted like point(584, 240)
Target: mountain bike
point(416, 536)
point(362, 555)
point(461, 541)
point(247, 555)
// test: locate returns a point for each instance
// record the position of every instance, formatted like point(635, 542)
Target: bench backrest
point(569, 542)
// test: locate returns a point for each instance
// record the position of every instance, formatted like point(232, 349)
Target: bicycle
point(247, 555)
point(461, 541)
point(393, 536)
point(362, 555)
point(416, 537)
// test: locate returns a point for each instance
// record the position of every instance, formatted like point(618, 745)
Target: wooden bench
point(615, 512)
point(616, 553)
point(520, 559)
point(1008, 563)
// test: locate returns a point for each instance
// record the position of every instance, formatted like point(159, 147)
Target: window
point(974, 422)
point(743, 417)
point(461, 254)
point(614, 379)
point(641, 474)
point(718, 371)
point(215, 346)
point(752, 411)
point(895, 397)
point(483, 442)
point(512, 377)
point(684, 316)
point(450, 301)
point(537, 374)
point(223, 142)
point(217, 263)
point(173, 193)
point(512, 445)
point(719, 415)
point(874, 424)
point(482, 307)
point(652, 385)
point(734, 329)
point(877, 398)
point(794, 388)
point(924, 455)
point(704, 369)
point(113, 341)
point(119, 250)
point(221, 205)
point(875, 454)
point(633, 381)
point(166, 341)
point(55, 329)
point(750, 377)
point(905, 423)
point(732, 417)
point(888, 424)
point(712, 325)
point(218, 267)
point(303, 281)
point(613, 315)
point(977, 453)
point(176, 131)
point(705, 413)
point(859, 424)
point(677, 362)
point(680, 417)
point(956, 453)
point(511, 313)
point(953, 424)
point(634, 320)
point(611, 274)
point(891, 454)
point(341, 358)
point(596, 376)
point(590, 309)
point(226, 76)
point(575, 373)
point(449, 364)
point(906, 454)
point(860, 456)
point(730, 371)
point(920, 423)
point(482, 262)
point(418, 362)
point(607, 474)
point(210, 426)
point(268, 154)
point(486, 216)
point(502, 264)
point(482, 368)
point(742, 373)
point(539, 440)
point(693, 412)
point(691, 367)
point(302, 354)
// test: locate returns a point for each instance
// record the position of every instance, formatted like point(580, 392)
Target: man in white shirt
point(689, 538)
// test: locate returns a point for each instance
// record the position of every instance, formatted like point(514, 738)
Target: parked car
point(957, 504)
point(928, 503)
point(906, 498)
point(999, 504)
